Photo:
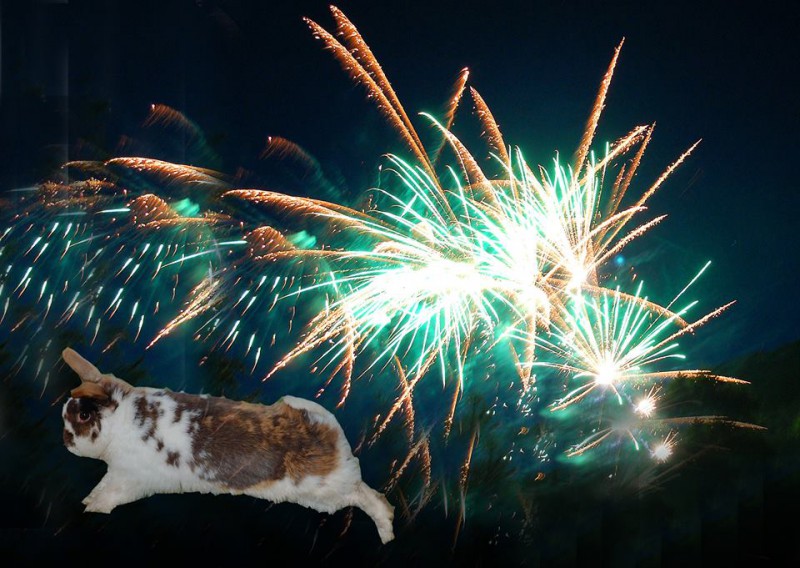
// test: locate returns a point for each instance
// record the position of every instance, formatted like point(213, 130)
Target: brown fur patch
point(92, 426)
point(173, 459)
point(243, 444)
point(89, 390)
point(147, 413)
point(69, 438)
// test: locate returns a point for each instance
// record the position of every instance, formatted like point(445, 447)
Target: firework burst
point(94, 255)
point(442, 262)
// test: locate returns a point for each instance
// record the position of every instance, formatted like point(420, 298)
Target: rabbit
point(161, 441)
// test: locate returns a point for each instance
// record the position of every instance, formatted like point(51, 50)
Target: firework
point(443, 262)
point(93, 255)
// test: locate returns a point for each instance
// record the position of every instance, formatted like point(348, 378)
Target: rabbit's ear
point(85, 370)
point(90, 390)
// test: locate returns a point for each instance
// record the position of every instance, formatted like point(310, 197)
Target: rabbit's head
point(89, 412)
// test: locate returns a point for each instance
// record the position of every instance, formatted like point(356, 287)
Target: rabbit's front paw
point(109, 493)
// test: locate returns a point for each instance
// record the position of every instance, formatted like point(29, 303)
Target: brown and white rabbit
point(160, 441)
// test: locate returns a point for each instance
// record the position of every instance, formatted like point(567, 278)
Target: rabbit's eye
point(84, 416)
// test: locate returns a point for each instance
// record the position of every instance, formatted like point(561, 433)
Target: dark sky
point(77, 76)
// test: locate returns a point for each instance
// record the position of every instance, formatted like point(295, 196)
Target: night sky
point(78, 77)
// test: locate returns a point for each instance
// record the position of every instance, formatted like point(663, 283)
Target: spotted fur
point(160, 441)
